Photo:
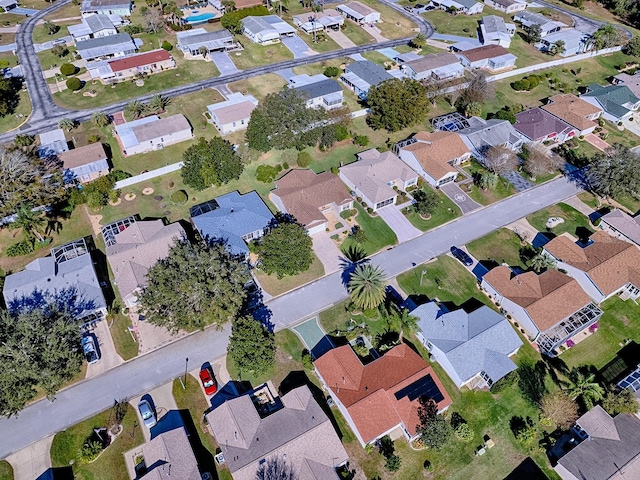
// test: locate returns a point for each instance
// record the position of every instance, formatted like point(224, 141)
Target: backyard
point(575, 223)
point(500, 246)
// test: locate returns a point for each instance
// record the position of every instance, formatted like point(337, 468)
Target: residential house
point(153, 133)
point(621, 225)
point(52, 143)
point(133, 247)
point(192, 41)
point(147, 63)
point(92, 26)
point(119, 45)
point(487, 57)
point(375, 174)
point(236, 219)
point(233, 114)
point(84, 164)
point(608, 448)
point(168, 455)
point(434, 155)
point(495, 31)
point(552, 307)
point(361, 75)
point(575, 111)
point(266, 29)
point(630, 81)
point(329, 19)
point(604, 267)
point(382, 397)
point(261, 427)
point(617, 101)
point(475, 348)
point(401, 58)
point(319, 90)
point(106, 7)
point(435, 66)
point(547, 26)
point(539, 126)
point(66, 279)
point(8, 5)
point(313, 199)
point(482, 134)
point(573, 41)
point(359, 13)
point(506, 6)
point(468, 7)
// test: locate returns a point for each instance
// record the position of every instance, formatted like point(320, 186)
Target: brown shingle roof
point(235, 112)
point(431, 61)
point(303, 193)
point(435, 150)
point(83, 155)
point(163, 126)
point(139, 60)
point(368, 391)
point(486, 51)
point(572, 110)
point(609, 262)
point(548, 298)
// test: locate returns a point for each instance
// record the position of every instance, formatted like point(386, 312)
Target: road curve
point(46, 113)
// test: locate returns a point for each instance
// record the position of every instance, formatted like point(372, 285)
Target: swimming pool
point(203, 17)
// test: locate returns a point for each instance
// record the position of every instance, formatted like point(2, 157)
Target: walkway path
point(375, 33)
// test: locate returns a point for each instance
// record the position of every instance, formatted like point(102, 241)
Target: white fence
point(148, 175)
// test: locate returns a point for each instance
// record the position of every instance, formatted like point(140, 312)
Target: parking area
point(165, 407)
point(223, 62)
point(109, 357)
point(28, 12)
point(314, 337)
point(297, 46)
point(396, 220)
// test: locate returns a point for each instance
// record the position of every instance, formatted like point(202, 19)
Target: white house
point(468, 7)
point(192, 41)
point(153, 133)
point(547, 26)
point(106, 7)
point(319, 90)
point(329, 19)
point(483, 134)
point(233, 114)
point(435, 66)
point(617, 102)
point(92, 26)
point(434, 155)
point(575, 111)
point(573, 41)
point(112, 46)
point(52, 143)
point(358, 12)
point(487, 57)
point(506, 6)
point(495, 31)
point(266, 29)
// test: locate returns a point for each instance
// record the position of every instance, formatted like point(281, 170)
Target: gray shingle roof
point(212, 40)
point(169, 455)
point(612, 98)
point(482, 134)
point(235, 216)
point(368, 71)
point(472, 342)
point(98, 22)
point(626, 224)
point(320, 89)
point(103, 46)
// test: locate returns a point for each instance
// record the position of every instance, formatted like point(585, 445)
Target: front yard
point(446, 211)
point(500, 246)
point(378, 233)
point(275, 286)
point(502, 190)
point(575, 223)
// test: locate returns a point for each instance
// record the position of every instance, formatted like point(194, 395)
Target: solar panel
point(424, 386)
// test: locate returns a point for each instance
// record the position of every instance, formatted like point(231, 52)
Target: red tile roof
point(140, 60)
point(368, 391)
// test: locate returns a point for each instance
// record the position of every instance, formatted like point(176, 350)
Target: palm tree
point(400, 320)
point(203, 51)
point(584, 386)
point(134, 109)
point(67, 124)
point(366, 286)
point(541, 262)
point(557, 48)
point(158, 103)
point(31, 222)
point(100, 119)
point(353, 256)
point(419, 41)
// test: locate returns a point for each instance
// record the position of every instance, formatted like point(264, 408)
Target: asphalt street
point(146, 372)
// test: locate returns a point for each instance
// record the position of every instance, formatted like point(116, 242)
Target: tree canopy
point(194, 286)
point(286, 249)
point(366, 286)
point(212, 162)
point(252, 347)
point(397, 103)
point(9, 95)
point(25, 178)
point(433, 428)
point(282, 120)
point(37, 349)
point(614, 173)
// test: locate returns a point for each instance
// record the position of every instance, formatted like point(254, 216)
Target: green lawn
point(621, 321)
point(337, 319)
point(503, 190)
point(275, 286)
point(575, 223)
point(379, 234)
point(66, 447)
point(255, 55)
point(20, 116)
point(49, 60)
point(446, 212)
point(6, 472)
point(500, 246)
point(323, 43)
point(445, 279)
point(590, 199)
point(393, 24)
point(7, 38)
point(356, 34)
point(41, 33)
point(376, 57)
point(461, 25)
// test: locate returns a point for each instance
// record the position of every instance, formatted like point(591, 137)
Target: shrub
point(93, 139)
point(134, 29)
point(505, 382)
point(347, 213)
point(18, 249)
point(307, 360)
point(393, 463)
point(179, 197)
point(335, 170)
point(361, 140)
point(332, 71)
point(167, 46)
point(67, 69)
point(279, 168)
point(91, 448)
point(118, 175)
point(464, 432)
point(304, 159)
point(74, 84)
point(341, 133)
point(266, 173)
point(285, 165)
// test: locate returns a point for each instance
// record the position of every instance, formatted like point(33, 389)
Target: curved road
point(46, 114)
point(582, 22)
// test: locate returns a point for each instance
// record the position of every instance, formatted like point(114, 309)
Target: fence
point(143, 177)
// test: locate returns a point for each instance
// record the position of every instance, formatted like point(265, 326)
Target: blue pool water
point(203, 17)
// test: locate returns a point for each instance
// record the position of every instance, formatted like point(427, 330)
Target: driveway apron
point(460, 198)
point(396, 220)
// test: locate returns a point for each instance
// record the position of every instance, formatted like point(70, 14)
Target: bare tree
point(478, 90)
point(153, 20)
point(275, 468)
point(538, 161)
point(560, 409)
point(500, 159)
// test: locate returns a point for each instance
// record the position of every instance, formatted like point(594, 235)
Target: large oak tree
point(397, 103)
point(212, 162)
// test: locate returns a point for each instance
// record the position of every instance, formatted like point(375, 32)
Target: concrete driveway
point(166, 409)
point(109, 357)
point(460, 198)
point(341, 39)
point(39, 47)
point(32, 461)
point(375, 33)
point(224, 63)
point(402, 227)
point(297, 46)
point(327, 251)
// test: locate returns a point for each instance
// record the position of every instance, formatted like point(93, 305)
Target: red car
point(208, 381)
